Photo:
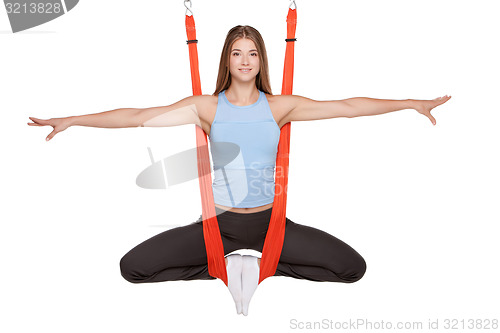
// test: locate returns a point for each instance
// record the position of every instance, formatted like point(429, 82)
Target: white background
point(418, 202)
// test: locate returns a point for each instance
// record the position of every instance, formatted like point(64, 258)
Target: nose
point(244, 60)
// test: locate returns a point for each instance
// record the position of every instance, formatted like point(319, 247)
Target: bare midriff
point(245, 210)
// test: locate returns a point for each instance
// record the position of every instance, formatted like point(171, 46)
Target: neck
point(242, 94)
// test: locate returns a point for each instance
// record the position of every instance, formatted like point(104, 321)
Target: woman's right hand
point(59, 124)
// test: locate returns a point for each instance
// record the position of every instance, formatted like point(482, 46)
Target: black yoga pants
point(179, 253)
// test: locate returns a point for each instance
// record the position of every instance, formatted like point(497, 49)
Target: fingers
point(428, 114)
point(445, 96)
point(37, 122)
point(437, 101)
point(442, 99)
point(34, 123)
point(433, 121)
point(43, 122)
point(51, 135)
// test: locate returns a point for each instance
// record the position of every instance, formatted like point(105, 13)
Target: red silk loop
point(273, 243)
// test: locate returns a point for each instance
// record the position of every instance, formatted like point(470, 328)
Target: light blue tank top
point(246, 180)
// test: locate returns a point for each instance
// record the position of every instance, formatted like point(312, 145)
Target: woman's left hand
point(425, 106)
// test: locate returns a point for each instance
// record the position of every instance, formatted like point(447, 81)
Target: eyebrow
point(240, 50)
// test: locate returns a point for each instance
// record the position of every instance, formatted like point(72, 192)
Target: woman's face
point(244, 63)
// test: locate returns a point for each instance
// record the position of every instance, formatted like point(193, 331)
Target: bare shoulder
point(282, 105)
point(206, 106)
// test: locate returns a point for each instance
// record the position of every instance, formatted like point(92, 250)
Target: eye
point(254, 54)
point(236, 53)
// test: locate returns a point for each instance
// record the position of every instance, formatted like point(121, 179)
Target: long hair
point(224, 77)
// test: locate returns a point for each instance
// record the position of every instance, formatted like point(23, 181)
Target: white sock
point(249, 281)
point(234, 268)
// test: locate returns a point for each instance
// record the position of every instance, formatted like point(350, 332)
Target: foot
point(234, 269)
point(249, 280)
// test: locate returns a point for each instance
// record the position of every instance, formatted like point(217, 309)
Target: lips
point(245, 70)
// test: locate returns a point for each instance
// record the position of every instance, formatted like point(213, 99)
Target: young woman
point(244, 112)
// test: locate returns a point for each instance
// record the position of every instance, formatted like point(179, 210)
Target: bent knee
point(130, 271)
point(356, 271)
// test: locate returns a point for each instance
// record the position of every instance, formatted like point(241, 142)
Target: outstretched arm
point(363, 106)
point(180, 113)
point(307, 109)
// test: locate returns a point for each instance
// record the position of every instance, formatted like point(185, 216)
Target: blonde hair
point(224, 77)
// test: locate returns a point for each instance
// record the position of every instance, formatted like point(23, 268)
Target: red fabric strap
point(211, 232)
point(276, 232)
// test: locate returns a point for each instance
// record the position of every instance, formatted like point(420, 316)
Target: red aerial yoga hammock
point(273, 243)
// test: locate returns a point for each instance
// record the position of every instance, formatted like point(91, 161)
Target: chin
point(245, 77)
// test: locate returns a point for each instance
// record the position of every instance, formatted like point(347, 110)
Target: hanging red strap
point(276, 232)
point(211, 232)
